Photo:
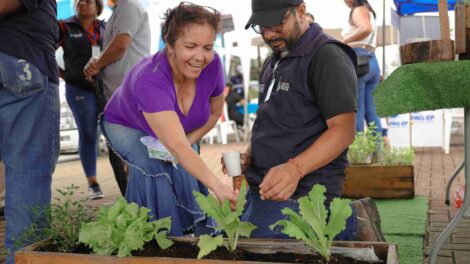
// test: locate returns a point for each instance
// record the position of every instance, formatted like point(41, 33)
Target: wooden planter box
point(377, 181)
point(28, 255)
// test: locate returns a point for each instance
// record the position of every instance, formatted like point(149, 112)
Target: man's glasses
point(276, 28)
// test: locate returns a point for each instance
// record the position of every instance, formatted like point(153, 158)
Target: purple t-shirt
point(149, 88)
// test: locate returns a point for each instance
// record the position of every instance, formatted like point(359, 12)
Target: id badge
point(95, 51)
point(271, 85)
point(270, 89)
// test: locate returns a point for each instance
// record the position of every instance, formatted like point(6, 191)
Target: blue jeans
point(157, 185)
point(29, 143)
point(84, 109)
point(366, 85)
point(263, 213)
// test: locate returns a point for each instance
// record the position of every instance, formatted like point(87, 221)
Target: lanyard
point(93, 35)
point(270, 89)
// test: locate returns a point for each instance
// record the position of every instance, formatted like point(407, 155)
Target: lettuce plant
point(311, 224)
point(226, 220)
point(122, 228)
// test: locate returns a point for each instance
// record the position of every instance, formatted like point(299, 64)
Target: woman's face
point(350, 3)
point(86, 7)
point(193, 50)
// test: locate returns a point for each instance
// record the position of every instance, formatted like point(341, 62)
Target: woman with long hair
point(360, 33)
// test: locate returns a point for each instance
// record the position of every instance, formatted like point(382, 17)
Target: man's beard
point(290, 41)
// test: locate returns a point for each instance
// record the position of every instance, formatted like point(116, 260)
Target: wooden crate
point(385, 182)
point(385, 251)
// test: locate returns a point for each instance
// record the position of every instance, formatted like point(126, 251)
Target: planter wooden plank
point(467, 15)
point(28, 255)
point(460, 26)
point(444, 19)
point(385, 182)
point(427, 51)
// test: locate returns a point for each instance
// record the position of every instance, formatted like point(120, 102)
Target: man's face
point(285, 39)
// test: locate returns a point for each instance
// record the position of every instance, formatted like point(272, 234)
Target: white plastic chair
point(222, 129)
point(228, 126)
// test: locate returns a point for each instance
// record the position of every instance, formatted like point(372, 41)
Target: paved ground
point(432, 170)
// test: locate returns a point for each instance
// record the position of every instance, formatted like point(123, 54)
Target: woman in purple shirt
point(175, 96)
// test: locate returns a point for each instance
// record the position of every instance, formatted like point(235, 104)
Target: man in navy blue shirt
point(305, 120)
point(29, 111)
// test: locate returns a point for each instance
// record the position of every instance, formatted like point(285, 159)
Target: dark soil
point(80, 249)
point(187, 250)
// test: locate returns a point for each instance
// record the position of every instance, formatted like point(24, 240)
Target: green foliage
point(465, 2)
point(368, 144)
point(364, 145)
point(59, 221)
point(311, 224)
point(122, 228)
point(398, 156)
point(226, 219)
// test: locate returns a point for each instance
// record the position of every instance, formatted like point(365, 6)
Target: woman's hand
point(223, 192)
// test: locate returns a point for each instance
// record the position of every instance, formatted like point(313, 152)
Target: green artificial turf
point(403, 223)
point(424, 86)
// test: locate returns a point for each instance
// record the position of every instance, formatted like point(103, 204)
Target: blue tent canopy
point(410, 7)
point(64, 9)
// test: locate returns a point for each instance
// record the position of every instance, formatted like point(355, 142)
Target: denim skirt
point(156, 184)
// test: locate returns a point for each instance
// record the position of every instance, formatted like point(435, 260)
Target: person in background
point(233, 100)
point(126, 41)
point(310, 18)
point(176, 96)
point(305, 121)
point(237, 81)
point(360, 34)
point(80, 36)
point(29, 113)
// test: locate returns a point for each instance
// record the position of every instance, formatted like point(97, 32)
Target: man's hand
point(91, 69)
point(280, 182)
point(245, 161)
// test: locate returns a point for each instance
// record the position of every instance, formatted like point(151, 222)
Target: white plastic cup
point(232, 163)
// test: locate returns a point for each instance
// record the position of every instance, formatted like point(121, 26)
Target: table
point(431, 86)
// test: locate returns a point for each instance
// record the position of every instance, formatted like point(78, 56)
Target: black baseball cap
point(270, 12)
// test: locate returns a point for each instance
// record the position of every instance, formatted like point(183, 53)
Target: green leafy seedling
point(311, 224)
point(123, 227)
point(59, 221)
point(226, 220)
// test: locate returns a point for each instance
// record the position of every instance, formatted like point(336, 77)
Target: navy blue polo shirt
point(313, 83)
point(31, 34)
